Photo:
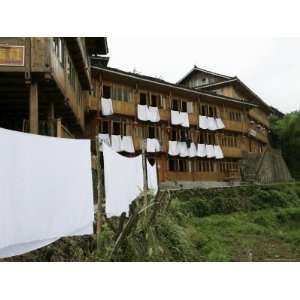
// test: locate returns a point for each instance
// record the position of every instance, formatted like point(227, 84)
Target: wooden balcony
point(259, 117)
point(124, 108)
point(235, 126)
point(93, 104)
point(258, 135)
point(232, 152)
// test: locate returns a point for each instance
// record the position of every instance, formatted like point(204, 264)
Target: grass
point(257, 223)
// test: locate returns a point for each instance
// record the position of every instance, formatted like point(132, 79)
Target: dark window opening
point(116, 128)
point(104, 127)
point(143, 99)
point(184, 106)
point(211, 112)
point(175, 105)
point(154, 100)
point(183, 135)
point(151, 132)
point(173, 134)
point(172, 165)
point(106, 92)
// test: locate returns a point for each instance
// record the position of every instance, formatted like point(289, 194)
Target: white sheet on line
point(210, 151)
point(184, 116)
point(201, 150)
point(123, 179)
point(212, 125)
point(175, 117)
point(143, 112)
point(218, 152)
point(192, 151)
point(153, 145)
point(152, 178)
point(116, 143)
point(203, 122)
point(153, 114)
point(173, 148)
point(106, 107)
point(183, 150)
point(127, 144)
point(46, 190)
point(220, 123)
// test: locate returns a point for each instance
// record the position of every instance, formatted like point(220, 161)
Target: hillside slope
point(258, 223)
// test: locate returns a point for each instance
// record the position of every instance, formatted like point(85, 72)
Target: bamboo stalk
point(99, 194)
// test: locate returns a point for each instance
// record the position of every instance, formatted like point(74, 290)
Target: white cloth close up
point(220, 123)
point(183, 150)
point(153, 145)
point(46, 191)
point(106, 107)
point(153, 114)
point(218, 152)
point(175, 117)
point(116, 143)
point(123, 179)
point(201, 151)
point(173, 148)
point(127, 144)
point(210, 151)
point(104, 138)
point(184, 116)
point(143, 112)
point(203, 122)
point(212, 125)
point(152, 178)
point(192, 151)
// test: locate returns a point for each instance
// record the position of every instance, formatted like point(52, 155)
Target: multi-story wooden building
point(45, 83)
point(127, 90)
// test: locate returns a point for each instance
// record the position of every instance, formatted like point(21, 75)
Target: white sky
point(271, 67)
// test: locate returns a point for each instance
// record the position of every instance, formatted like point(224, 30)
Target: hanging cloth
point(143, 113)
point(123, 179)
point(183, 150)
point(152, 178)
point(210, 151)
point(218, 152)
point(127, 144)
point(153, 114)
point(46, 190)
point(220, 123)
point(184, 116)
point(116, 143)
point(153, 145)
point(201, 151)
point(212, 125)
point(104, 138)
point(192, 151)
point(106, 107)
point(203, 122)
point(175, 117)
point(173, 148)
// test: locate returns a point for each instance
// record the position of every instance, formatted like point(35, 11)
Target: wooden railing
point(235, 126)
point(232, 152)
point(124, 108)
point(60, 76)
point(259, 117)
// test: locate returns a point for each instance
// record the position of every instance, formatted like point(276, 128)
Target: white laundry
point(201, 151)
point(203, 122)
point(218, 152)
point(210, 151)
point(123, 179)
point(153, 114)
point(127, 144)
point(104, 138)
point(184, 116)
point(106, 107)
point(46, 191)
point(212, 125)
point(192, 151)
point(173, 148)
point(220, 123)
point(175, 117)
point(116, 143)
point(152, 178)
point(183, 150)
point(153, 145)
point(143, 112)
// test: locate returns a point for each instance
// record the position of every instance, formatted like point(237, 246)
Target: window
point(190, 108)
point(104, 126)
point(175, 104)
point(106, 91)
point(116, 128)
point(235, 116)
point(173, 134)
point(172, 165)
point(183, 106)
point(143, 99)
point(59, 50)
point(153, 100)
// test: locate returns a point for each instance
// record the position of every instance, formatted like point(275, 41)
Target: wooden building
point(45, 83)
point(241, 117)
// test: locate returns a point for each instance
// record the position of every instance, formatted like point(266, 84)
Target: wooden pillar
point(33, 109)
point(58, 128)
point(51, 119)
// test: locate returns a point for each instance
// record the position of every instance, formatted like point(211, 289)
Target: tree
point(285, 134)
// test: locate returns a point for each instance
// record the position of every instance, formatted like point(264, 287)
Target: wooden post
point(99, 193)
point(144, 172)
point(58, 128)
point(33, 109)
point(51, 118)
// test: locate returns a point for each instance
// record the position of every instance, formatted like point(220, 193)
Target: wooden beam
point(51, 118)
point(33, 109)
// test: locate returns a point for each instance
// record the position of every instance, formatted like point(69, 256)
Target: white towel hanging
point(212, 125)
point(127, 144)
point(116, 143)
point(173, 148)
point(201, 151)
point(143, 113)
point(184, 116)
point(153, 114)
point(220, 123)
point(203, 122)
point(175, 117)
point(106, 107)
point(192, 151)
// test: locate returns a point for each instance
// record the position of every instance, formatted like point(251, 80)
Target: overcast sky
point(271, 67)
